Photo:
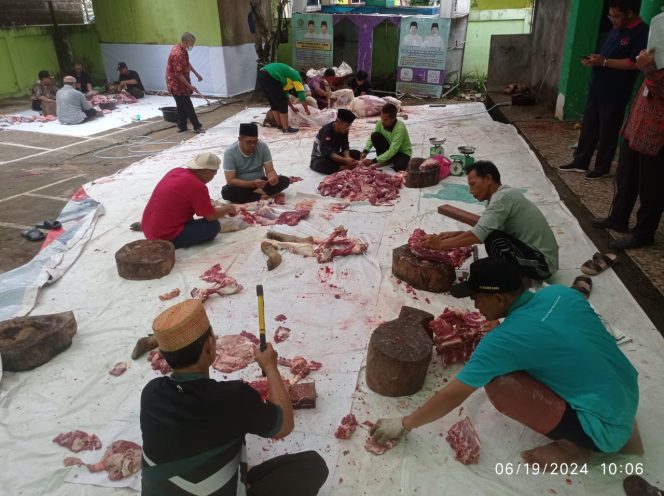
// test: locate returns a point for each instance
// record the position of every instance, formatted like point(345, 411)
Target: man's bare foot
point(561, 451)
point(143, 345)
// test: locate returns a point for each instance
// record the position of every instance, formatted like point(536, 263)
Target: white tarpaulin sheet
point(331, 313)
point(125, 113)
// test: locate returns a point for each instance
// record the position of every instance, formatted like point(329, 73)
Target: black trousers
point(299, 474)
point(599, 130)
point(36, 105)
point(531, 262)
point(236, 194)
point(570, 428)
point(186, 111)
point(196, 232)
point(329, 166)
point(639, 176)
point(399, 161)
point(274, 92)
point(136, 92)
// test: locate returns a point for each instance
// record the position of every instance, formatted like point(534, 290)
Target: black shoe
point(629, 241)
point(290, 130)
point(572, 168)
point(592, 175)
point(199, 130)
point(182, 130)
point(606, 223)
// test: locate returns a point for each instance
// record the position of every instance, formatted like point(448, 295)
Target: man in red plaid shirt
point(179, 84)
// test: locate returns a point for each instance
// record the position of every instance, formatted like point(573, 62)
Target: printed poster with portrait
point(312, 41)
point(422, 55)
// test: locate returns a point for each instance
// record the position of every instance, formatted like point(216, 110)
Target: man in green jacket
point(276, 80)
point(391, 140)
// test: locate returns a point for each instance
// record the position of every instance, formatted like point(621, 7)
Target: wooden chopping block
point(427, 275)
point(302, 395)
point(458, 214)
point(399, 355)
point(417, 178)
point(28, 342)
point(420, 316)
point(145, 259)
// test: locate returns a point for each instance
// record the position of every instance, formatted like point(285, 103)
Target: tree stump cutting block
point(399, 354)
point(28, 342)
point(427, 275)
point(145, 259)
point(417, 178)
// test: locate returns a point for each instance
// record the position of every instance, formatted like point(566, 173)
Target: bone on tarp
point(336, 244)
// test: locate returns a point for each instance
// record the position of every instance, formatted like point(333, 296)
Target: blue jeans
point(196, 232)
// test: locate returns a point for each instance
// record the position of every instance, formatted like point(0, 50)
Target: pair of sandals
point(599, 263)
point(36, 234)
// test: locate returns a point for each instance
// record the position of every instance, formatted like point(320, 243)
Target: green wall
point(159, 22)
point(26, 51)
point(385, 51)
point(285, 50)
point(481, 26)
point(23, 53)
point(499, 4)
point(581, 39)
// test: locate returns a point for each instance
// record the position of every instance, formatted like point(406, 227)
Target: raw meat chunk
point(464, 441)
point(281, 334)
point(234, 352)
point(347, 427)
point(158, 362)
point(251, 337)
point(170, 295)
point(379, 448)
point(122, 459)
point(454, 257)
point(362, 183)
point(456, 334)
point(118, 369)
point(78, 441)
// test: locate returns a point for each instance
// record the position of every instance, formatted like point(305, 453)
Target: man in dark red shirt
point(181, 194)
point(179, 84)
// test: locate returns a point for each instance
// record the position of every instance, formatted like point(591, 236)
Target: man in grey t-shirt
point(72, 107)
point(511, 227)
point(250, 175)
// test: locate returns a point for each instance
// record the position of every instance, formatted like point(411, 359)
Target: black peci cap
point(248, 129)
point(345, 115)
point(489, 275)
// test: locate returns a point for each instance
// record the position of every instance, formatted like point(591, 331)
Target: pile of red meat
point(97, 99)
point(456, 334)
point(122, 459)
point(464, 441)
point(362, 183)
point(454, 257)
point(300, 367)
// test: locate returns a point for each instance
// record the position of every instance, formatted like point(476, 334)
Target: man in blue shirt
point(551, 365)
point(611, 83)
point(250, 174)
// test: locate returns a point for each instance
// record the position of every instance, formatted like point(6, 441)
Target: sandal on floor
point(638, 486)
point(599, 263)
point(33, 234)
point(49, 224)
point(584, 285)
point(290, 130)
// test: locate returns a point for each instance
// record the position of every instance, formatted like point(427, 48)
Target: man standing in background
point(179, 84)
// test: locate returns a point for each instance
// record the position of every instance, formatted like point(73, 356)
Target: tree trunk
point(266, 39)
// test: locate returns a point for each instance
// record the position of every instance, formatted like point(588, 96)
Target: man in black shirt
point(360, 84)
point(611, 83)
point(83, 81)
point(130, 81)
point(331, 152)
point(194, 426)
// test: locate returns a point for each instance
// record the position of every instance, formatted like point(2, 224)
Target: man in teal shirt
point(511, 227)
point(248, 168)
point(391, 140)
point(551, 365)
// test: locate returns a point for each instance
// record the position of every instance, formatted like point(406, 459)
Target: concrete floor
point(641, 270)
point(39, 172)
